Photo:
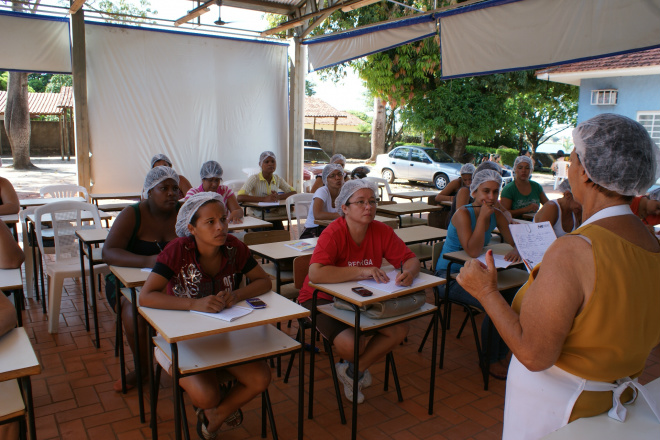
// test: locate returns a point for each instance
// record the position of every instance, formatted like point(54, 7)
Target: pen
point(401, 268)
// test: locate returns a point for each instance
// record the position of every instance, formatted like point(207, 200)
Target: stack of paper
point(389, 287)
point(300, 245)
point(532, 240)
point(229, 315)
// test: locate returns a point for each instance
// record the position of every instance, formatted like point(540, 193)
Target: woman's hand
point(533, 207)
point(477, 279)
point(236, 216)
point(513, 256)
point(405, 278)
point(227, 297)
point(374, 273)
point(485, 212)
point(209, 304)
point(272, 197)
point(152, 260)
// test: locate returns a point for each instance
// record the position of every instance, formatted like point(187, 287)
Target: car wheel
point(440, 180)
point(388, 175)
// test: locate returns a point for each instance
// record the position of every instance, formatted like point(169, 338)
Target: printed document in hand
point(301, 246)
point(389, 287)
point(229, 315)
point(500, 262)
point(268, 203)
point(532, 240)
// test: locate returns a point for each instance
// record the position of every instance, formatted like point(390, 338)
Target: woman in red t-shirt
point(352, 248)
point(196, 272)
point(647, 208)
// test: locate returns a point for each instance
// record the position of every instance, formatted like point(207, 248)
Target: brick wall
point(44, 139)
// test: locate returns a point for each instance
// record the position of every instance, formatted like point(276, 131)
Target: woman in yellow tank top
point(587, 319)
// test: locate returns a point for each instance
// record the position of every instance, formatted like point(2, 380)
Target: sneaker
point(366, 379)
point(347, 381)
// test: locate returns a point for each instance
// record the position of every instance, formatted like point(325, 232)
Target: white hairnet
point(655, 194)
point(484, 176)
point(210, 169)
point(564, 186)
point(329, 169)
point(351, 187)
point(190, 207)
point(157, 175)
point(523, 159)
point(617, 153)
point(337, 157)
point(265, 155)
point(488, 165)
point(468, 168)
point(158, 157)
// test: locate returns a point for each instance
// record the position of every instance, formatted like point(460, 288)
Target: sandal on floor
point(202, 423)
point(498, 376)
point(234, 420)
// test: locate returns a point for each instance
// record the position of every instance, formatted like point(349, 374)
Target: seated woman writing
point(323, 205)
point(353, 248)
point(564, 214)
point(470, 230)
point(523, 196)
point(211, 175)
point(160, 160)
point(139, 233)
point(197, 272)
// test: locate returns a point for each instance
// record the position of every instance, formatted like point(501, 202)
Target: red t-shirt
point(178, 264)
point(650, 220)
point(335, 247)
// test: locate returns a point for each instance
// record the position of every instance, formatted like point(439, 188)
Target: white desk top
point(17, 357)
point(343, 290)
point(392, 222)
point(408, 208)
point(118, 196)
point(177, 325)
point(130, 276)
point(640, 423)
point(462, 256)
point(9, 218)
point(10, 279)
point(418, 234)
point(279, 250)
point(39, 201)
point(86, 216)
point(93, 235)
point(256, 204)
point(414, 194)
point(250, 222)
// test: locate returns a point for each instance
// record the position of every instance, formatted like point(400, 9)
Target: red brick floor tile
point(72, 430)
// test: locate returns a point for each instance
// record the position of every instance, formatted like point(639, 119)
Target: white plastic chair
point(235, 185)
point(251, 170)
point(562, 172)
point(302, 203)
point(378, 180)
point(66, 218)
point(61, 191)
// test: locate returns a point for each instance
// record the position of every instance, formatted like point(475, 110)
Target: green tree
point(121, 11)
point(57, 82)
point(4, 79)
point(310, 88)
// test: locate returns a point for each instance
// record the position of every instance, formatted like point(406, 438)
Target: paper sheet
point(389, 287)
point(532, 240)
point(145, 269)
point(301, 246)
point(229, 315)
point(500, 262)
point(269, 203)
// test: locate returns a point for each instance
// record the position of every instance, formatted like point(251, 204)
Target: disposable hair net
point(617, 153)
point(157, 175)
point(350, 188)
point(265, 155)
point(520, 159)
point(158, 157)
point(564, 186)
point(189, 209)
point(337, 157)
point(329, 169)
point(488, 165)
point(655, 194)
point(210, 169)
point(468, 168)
point(483, 176)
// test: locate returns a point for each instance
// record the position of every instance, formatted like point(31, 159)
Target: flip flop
point(202, 423)
point(497, 376)
point(117, 386)
point(235, 420)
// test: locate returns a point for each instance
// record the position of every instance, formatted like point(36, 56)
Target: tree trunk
point(17, 120)
point(377, 130)
point(459, 148)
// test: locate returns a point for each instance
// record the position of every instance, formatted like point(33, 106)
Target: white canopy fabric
point(505, 35)
point(34, 43)
point(327, 51)
point(194, 98)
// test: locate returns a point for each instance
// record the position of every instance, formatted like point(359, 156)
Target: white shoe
point(347, 381)
point(366, 379)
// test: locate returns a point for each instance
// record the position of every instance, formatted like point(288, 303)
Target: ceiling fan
point(219, 22)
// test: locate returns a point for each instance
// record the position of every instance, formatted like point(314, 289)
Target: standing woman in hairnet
point(139, 233)
point(211, 175)
point(587, 319)
point(197, 272)
point(353, 248)
point(523, 196)
point(323, 205)
point(160, 160)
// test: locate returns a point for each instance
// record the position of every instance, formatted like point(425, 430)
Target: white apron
point(538, 403)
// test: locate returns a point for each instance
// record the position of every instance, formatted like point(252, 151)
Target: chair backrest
point(300, 270)
point(235, 185)
point(65, 217)
point(251, 170)
point(61, 191)
point(562, 169)
point(435, 252)
point(263, 237)
point(307, 185)
point(378, 180)
point(302, 203)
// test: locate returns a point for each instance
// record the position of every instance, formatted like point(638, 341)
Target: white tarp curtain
point(525, 34)
point(335, 49)
point(34, 43)
point(194, 98)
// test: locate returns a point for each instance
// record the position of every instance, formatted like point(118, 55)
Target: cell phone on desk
point(362, 291)
point(256, 303)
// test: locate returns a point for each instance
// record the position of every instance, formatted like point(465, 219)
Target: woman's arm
point(235, 210)
point(114, 249)
point(260, 283)
point(543, 197)
point(320, 213)
point(319, 273)
point(446, 194)
point(184, 185)
point(410, 271)
point(503, 226)
point(548, 213)
point(7, 314)
point(246, 193)
point(9, 198)
point(472, 241)
point(462, 197)
point(318, 183)
point(11, 255)
point(508, 203)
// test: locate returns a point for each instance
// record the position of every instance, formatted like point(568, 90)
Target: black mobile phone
point(256, 303)
point(362, 291)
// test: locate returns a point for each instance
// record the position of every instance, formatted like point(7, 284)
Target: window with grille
point(604, 97)
point(651, 121)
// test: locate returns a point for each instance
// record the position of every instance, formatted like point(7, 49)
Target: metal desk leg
point(434, 350)
point(84, 283)
point(92, 289)
point(176, 391)
point(119, 333)
point(301, 380)
point(153, 387)
point(30, 406)
point(310, 408)
point(356, 372)
point(136, 355)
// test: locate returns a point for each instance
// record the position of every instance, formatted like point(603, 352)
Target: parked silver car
point(415, 163)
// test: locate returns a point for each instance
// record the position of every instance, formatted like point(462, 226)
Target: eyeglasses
point(336, 175)
point(363, 203)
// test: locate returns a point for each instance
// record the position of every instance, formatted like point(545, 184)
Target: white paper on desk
point(532, 240)
point(229, 315)
point(389, 287)
point(268, 203)
point(500, 262)
point(145, 269)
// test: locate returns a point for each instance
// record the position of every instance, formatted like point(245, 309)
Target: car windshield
point(439, 156)
point(313, 155)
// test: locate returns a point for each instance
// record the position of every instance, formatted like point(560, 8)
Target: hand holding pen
point(405, 278)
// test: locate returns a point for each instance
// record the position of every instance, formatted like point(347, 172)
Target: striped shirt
point(257, 186)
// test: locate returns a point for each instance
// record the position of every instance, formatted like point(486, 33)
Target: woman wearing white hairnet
point(564, 214)
point(470, 229)
point(323, 205)
point(523, 195)
point(449, 192)
point(587, 319)
point(161, 160)
point(197, 271)
point(353, 248)
point(139, 233)
point(338, 159)
point(211, 175)
point(647, 208)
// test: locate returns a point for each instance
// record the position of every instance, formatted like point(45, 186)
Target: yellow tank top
point(615, 332)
